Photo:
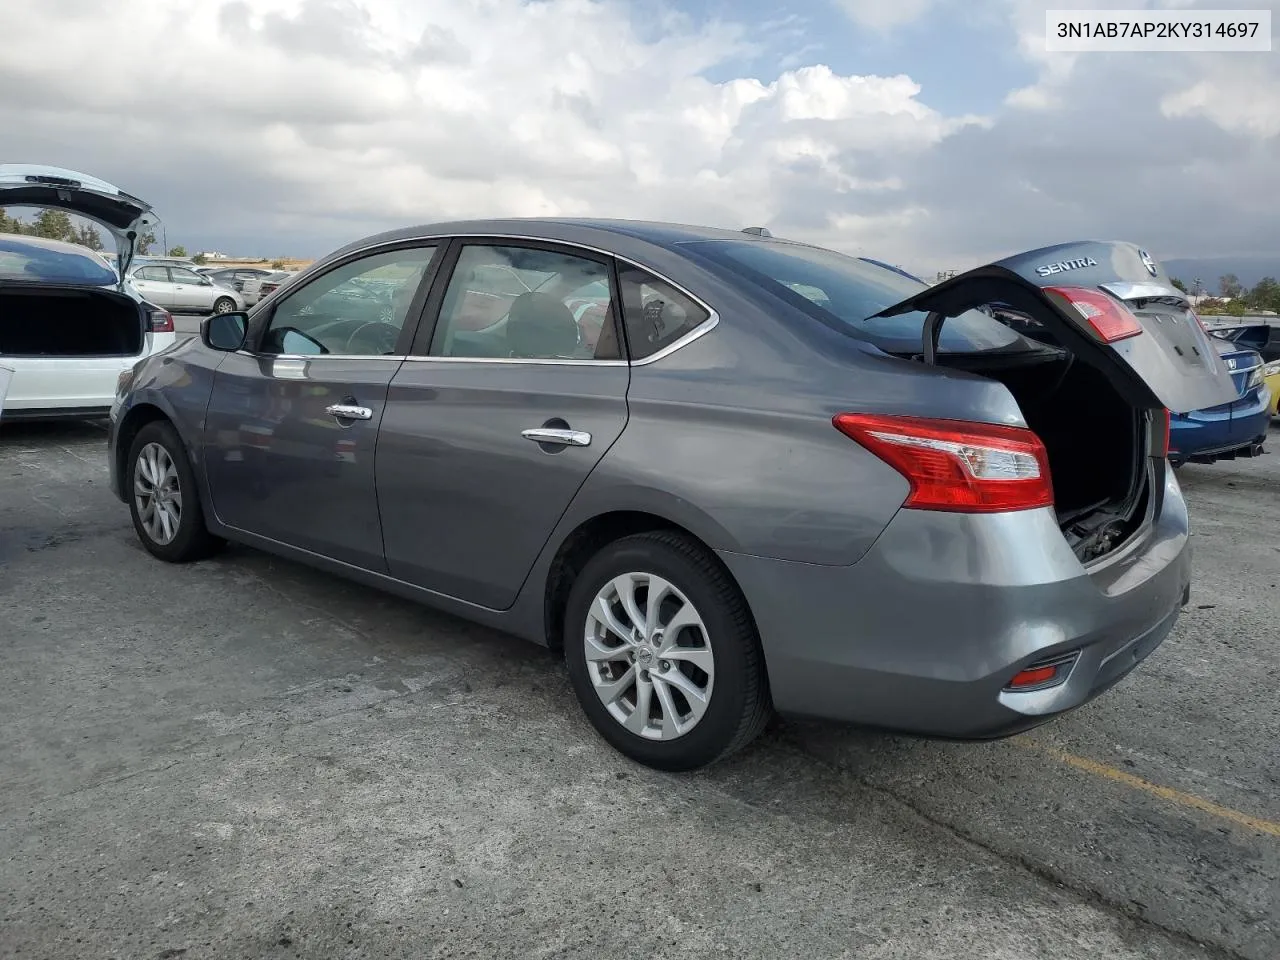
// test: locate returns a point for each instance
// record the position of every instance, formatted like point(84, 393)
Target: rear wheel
point(663, 654)
point(223, 305)
point(163, 499)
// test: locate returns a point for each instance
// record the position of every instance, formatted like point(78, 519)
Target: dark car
point(774, 478)
point(1228, 430)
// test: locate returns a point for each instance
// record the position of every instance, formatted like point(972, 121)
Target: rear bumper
point(57, 387)
point(1221, 433)
point(925, 632)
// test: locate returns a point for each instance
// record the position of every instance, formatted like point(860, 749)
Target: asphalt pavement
point(247, 758)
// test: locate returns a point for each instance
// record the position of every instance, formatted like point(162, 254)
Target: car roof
point(585, 231)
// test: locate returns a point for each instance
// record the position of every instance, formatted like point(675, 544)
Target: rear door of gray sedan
point(495, 420)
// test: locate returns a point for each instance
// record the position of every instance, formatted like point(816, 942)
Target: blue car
point(1235, 429)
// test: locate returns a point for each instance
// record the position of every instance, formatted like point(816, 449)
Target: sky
point(935, 134)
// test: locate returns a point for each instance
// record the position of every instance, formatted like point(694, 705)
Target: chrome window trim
point(701, 330)
point(544, 361)
point(320, 356)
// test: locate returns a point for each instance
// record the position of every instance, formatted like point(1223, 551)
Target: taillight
point(161, 321)
point(1162, 428)
point(957, 465)
point(1109, 319)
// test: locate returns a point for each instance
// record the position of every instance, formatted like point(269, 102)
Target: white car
point(70, 322)
point(182, 290)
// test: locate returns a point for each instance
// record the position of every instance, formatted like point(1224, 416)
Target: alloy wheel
point(648, 656)
point(157, 492)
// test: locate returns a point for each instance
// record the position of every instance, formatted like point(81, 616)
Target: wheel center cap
point(644, 656)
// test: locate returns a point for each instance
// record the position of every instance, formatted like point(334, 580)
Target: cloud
point(290, 126)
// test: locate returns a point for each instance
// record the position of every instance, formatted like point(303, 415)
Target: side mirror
point(224, 331)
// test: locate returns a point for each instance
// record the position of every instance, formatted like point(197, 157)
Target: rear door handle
point(564, 438)
point(348, 411)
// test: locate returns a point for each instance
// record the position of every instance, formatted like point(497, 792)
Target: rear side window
point(655, 313)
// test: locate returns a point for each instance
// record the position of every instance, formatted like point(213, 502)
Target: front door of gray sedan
point(153, 283)
point(293, 421)
point(192, 291)
point(496, 419)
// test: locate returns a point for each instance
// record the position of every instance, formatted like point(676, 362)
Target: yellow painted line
point(1169, 794)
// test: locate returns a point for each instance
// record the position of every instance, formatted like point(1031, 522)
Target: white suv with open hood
point(70, 321)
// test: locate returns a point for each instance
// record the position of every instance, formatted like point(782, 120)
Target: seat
point(539, 326)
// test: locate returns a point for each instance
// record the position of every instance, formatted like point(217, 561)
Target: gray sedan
point(724, 474)
point(181, 290)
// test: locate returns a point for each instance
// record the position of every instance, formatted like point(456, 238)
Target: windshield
point(848, 292)
point(27, 260)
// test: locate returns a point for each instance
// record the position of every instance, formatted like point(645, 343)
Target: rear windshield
point(27, 261)
point(847, 292)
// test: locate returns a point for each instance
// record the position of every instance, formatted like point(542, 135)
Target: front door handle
point(553, 435)
point(348, 411)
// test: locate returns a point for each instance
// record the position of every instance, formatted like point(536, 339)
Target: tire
point(719, 633)
point(223, 305)
point(158, 442)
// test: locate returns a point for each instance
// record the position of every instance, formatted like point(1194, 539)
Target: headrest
point(540, 326)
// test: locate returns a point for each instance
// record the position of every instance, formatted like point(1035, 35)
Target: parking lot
point(244, 757)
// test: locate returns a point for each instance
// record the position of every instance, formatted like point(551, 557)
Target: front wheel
point(163, 499)
point(663, 654)
point(223, 305)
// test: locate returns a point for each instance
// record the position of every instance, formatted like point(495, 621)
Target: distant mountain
point(1249, 269)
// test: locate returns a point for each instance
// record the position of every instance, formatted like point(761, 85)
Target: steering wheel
point(382, 338)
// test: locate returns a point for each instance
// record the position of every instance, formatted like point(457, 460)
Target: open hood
point(1104, 299)
point(36, 185)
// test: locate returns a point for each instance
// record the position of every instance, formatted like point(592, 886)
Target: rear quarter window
point(655, 313)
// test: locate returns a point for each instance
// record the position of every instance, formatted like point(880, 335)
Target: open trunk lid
point(37, 185)
point(1104, 299)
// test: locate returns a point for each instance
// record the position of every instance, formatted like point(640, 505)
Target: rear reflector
point(1033, 678)
point(1108, 318)
point(1046, 673)
point(161, 321)
point(957, 465)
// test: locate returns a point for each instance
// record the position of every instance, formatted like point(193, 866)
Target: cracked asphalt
point(246, 758)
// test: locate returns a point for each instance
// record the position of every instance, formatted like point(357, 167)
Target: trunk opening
point(53, 322)
point(1097, 442)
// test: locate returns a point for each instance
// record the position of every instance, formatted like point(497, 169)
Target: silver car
point(183, 290)
point(723, 474)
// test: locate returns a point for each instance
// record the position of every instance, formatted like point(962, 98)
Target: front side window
point(357, 309)
point(526, 303)
point(656, 314)
point(181, 275)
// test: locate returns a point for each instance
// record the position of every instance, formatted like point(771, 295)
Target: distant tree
point(53, 225)
point(145, 243)
point(178, 251)
point(200, 258)
point(1265, 296)
point(87, 236)
point(1179, 284)
point(277, 264)
point(10, 224)
point(1230, 286)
